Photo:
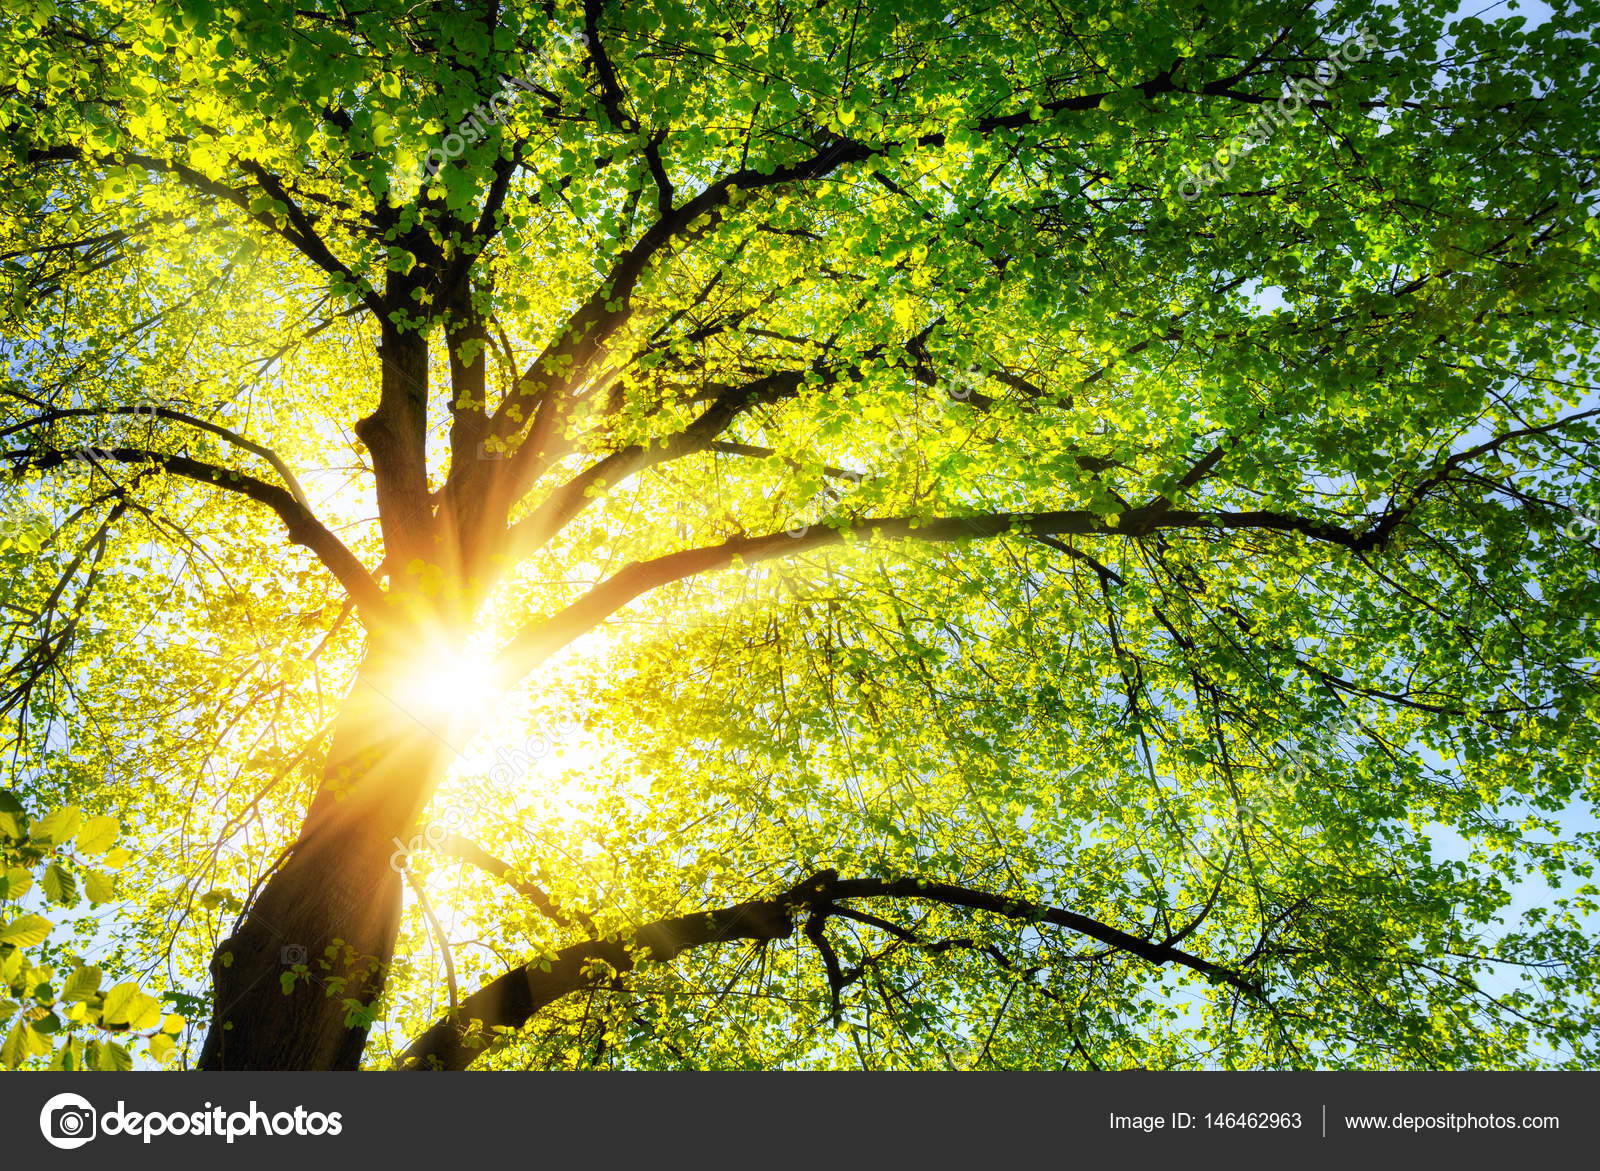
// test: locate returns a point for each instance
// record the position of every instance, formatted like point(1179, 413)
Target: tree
point(900, 535)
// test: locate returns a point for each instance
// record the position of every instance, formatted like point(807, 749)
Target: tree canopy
point(680, 534)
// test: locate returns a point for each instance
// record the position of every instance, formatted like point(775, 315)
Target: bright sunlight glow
point(449, 685)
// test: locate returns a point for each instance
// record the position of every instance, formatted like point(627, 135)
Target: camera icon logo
point(67, 1121)
point(291, 954)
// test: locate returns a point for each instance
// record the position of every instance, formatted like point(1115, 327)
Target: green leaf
point(15, 883)
point(109, 1056)
point(25, 930)
point(82, 984)
point(60, 885)
point(127, 1005)
point(13, 821)
point(60, 825)
point(98, 887)
point(20, 1044)
point(98, 835)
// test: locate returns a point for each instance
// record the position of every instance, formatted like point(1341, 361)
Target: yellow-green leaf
point(25, 930)
point(109, 1056)
point(16, 883)
point(82, 984)
point(98, 835)
point(20, 1044)
point(98, 887)
point(60, 825)
point(127, 1005)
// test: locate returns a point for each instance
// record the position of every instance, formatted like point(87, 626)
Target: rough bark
point(328, 916)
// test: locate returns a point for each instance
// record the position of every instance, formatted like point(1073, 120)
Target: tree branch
point(302, 236)
point(233, 437)
point(304, 528)
point(539, 640)
point(508, 1001)
point(577, 493)
point(456, 846)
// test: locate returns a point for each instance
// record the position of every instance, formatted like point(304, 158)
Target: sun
point(450, 688)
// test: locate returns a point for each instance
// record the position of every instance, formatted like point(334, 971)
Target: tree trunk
point(314, 948)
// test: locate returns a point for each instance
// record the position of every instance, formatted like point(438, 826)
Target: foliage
point(45, 1025)
point(839, 443)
